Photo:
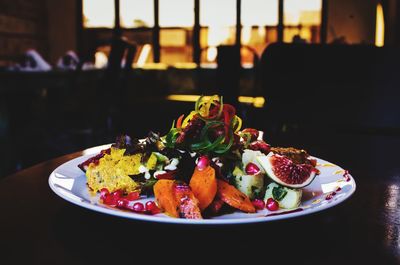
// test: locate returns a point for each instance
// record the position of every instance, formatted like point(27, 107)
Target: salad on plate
point(205, 166)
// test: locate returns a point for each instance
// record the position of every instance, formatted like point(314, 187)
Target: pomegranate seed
point(138, 207)
point(122, 203)
point(338, 189)
point(330, 196)
point(272, 205)
point(110, 200)
point(151, 207)
point(133, 196)
point(258, 204)
point(103, 193)
point(117, 193)
point(346, 176)
point(252, 169)
point(203, 162)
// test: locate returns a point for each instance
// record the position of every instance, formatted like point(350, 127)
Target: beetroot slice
point(95, 159)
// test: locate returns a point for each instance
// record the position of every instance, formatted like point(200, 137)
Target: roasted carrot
point(188, 203)
point(233, 197)
point(216, 205)
point(164, 192)
point(204, 186)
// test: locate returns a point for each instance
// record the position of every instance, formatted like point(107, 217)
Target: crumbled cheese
point(159, 172)
point(143, 169)
point(173, 164)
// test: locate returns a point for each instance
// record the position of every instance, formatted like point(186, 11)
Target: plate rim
point(171, 220)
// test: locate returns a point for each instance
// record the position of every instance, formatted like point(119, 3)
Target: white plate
point(69, 182)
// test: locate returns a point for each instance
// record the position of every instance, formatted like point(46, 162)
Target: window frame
point(118, 31)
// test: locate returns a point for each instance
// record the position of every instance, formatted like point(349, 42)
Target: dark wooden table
point(38, 227)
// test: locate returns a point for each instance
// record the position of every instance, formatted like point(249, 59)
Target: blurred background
point(76, 73)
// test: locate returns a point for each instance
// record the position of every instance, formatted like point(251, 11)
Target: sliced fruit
point(286, 198)
point(188, 203)
point(250, 184)
point(176, 199)
point(235, 198)
point(250, 156)
point(285, 172)
point(165, 196)
point(204, 185)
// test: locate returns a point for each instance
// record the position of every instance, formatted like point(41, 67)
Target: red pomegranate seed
point(152, 208)
point(338, 189)
point(272, 205)
point(111, 200)
point(117, 193)
point(252, 169)
point(103, 193)
point(346, 175)
point(122, 203)
point(133, 196)
point(203, 162)
point(258, 204)
point(138, 207)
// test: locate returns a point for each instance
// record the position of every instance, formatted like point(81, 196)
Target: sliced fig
point(284, 171)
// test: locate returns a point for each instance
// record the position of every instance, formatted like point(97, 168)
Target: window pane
point(304, 12)
point(176, 46)
point(136, 13)
point(255, 40)
point(98, 13)
point(211, 37)
point(220, 13)
point(143, 39)
point(260, 12)
point(176, 13)
point(308, 34)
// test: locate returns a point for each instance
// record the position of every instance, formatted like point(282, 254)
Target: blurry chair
point(228, 72)
point(330, 87)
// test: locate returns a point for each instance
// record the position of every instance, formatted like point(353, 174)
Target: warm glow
point(176, 13)
point(305, 12)
point(101, 60)
point(380, 27)
point(98, 13)
point(218, 35)
point(259, 12)
point(144, 54)
point(212, 54)
point(221, 13)
point(246, 35)
point(257, 102)
point(136, 13)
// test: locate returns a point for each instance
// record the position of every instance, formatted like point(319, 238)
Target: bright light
point(305, 12)
point(380, 27)
point(144, 54)
point(136, 13)
point(246, 35)
point(221, 13)
point(217, 35)
point(176, 13)
point(101, 60)
point(260, 12)
point(212, 54)
point(98, 13)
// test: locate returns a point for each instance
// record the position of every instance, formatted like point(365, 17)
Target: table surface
point(38, 227)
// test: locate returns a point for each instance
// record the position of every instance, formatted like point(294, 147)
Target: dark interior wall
point(23, 25)
point(352, 19)
point(62, 27)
